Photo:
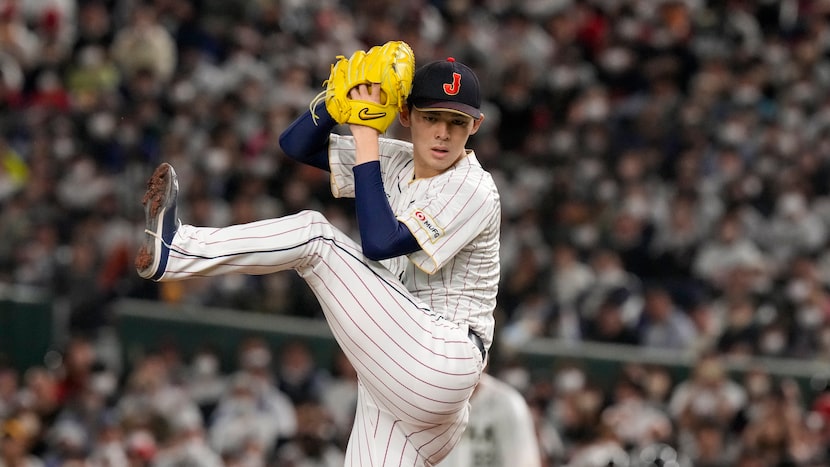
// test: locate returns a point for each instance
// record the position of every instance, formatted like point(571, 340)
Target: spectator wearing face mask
point(186, 443)
point(775, 338)
point(205, 381)
point(239, 426)
point(793, 228)
point(727, 249)
point(740, 330)
point(608, 324)
point(630, 416)
point(298, 375)
point(251, 416)
point(708, 394)
point(66, 442)
point(808, 300)
point(150, 397)
point(664, 325)
point(612, 282)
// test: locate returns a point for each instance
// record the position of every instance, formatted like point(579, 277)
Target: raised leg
point(416, 368)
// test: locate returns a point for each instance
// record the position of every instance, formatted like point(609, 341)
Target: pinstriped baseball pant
point(416, 370)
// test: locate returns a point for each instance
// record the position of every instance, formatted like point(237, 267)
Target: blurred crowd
point(664, 168)
point(277, 405)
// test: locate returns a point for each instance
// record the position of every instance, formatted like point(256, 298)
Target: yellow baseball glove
point(391, 65)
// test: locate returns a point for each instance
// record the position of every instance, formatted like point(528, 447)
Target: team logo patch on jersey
point(428, 224)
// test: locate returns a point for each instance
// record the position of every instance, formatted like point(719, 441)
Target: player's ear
point(405, 116)
point(477, 124)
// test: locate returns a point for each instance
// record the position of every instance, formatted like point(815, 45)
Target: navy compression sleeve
point(381, 234)
point(307, 142)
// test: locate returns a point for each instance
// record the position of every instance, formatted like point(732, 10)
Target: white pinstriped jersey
point(455, 216)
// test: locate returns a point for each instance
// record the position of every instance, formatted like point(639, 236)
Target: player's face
point(438, 138)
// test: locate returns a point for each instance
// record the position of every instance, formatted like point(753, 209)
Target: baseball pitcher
point(412, 304)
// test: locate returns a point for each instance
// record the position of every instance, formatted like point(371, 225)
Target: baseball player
point(412, 304)
point(501, 430)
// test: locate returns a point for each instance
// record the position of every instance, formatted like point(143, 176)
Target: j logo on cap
point(453, 88)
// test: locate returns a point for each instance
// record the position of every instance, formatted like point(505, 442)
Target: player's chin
point(440, 164)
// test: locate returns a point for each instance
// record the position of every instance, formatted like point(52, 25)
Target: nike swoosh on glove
point(392, 65)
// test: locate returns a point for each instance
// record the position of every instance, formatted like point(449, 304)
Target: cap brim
point(448, 106)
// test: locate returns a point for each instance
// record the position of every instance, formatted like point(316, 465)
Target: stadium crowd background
point(664, 169)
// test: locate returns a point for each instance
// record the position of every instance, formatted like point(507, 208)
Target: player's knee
point(314, 218)
point(317, 223)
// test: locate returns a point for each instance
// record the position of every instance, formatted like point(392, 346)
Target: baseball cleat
point(161, 222)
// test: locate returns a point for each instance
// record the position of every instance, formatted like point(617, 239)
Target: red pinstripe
point(371, 291)
point(372, 379)
point(393, 361)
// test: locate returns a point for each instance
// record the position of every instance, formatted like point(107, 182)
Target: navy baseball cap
point(446, 85)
